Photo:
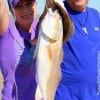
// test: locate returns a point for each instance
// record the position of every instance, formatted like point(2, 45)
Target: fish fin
point(35, 53)
point(60, 2)
point(68, 26)
point(38, 94)
point(36, 50)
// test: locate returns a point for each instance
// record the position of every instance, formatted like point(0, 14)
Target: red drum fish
point(53, 29)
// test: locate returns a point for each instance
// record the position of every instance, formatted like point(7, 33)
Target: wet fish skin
point(48, 51)
point(49, 55)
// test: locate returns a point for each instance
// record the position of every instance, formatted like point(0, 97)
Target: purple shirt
point(16, 53)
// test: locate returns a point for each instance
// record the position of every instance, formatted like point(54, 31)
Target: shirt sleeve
point(34, 34)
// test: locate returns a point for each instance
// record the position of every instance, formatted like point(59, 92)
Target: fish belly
point(48, 67)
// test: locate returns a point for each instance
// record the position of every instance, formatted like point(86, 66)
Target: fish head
point(51, 25)
point(54, 20)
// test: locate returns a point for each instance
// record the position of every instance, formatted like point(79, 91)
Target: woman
point(81, 62)
point(16, 49)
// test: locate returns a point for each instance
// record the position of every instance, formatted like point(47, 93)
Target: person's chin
point(29, 22)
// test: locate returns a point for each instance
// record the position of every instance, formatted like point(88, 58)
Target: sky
point(92, 3)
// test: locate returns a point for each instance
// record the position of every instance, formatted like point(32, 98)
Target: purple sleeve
point(7, 60)
point(34, 34)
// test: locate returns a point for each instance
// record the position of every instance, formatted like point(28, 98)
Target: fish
point(54, 28)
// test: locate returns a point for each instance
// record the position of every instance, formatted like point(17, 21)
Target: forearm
point(4, 17)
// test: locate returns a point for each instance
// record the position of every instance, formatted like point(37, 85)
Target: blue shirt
point(81, 51)
point(81, 63)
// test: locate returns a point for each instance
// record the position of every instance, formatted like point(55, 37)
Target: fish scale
point(54, 79)
point(55, 72)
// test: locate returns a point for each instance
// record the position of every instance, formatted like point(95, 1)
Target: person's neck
point(77, 8)
point(27, 28)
